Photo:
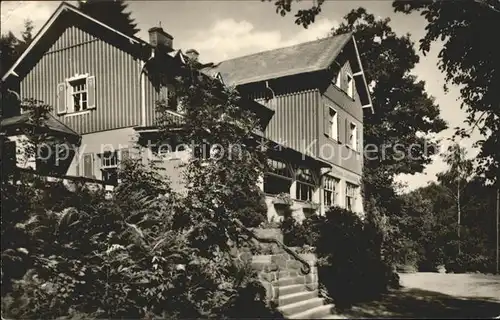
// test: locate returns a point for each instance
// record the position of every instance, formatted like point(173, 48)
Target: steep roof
point(50, 123)
point(301, 58)
point(65, 7)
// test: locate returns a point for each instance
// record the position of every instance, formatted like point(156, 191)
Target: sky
point(220, 30)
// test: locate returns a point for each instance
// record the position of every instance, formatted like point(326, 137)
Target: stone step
point(289, 281)
point(317, 312)
point(334, 316)
point(300, 307)
point(293, 288)
point(296, 297)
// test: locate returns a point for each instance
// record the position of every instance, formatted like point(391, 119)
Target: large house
point(311, 96)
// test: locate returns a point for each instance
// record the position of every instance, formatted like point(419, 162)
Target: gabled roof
point(301, 58)
point(65, 7)
point(282, 62)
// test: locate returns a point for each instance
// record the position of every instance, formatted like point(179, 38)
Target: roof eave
point(62, 7)
point(361, 74)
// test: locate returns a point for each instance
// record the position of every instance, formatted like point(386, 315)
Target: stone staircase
point(296, 294)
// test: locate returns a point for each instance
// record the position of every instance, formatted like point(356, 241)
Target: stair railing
point(305, 269)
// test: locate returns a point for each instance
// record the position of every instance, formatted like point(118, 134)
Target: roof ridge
point(287, 47)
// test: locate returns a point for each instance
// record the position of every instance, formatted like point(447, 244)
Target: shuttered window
point(76, 94)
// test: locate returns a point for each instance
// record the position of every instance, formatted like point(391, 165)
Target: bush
point(465, 262)
point(119, 258)
point(351, 266)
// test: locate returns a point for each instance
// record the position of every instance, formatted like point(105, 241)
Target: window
point(109, 164)
point(76, 94)
point(330, 190)
point(350, 86)
point(305, 184)
point(78, 100)
point(337, 77)
point(353, 136)
point(350, 196)
point(334, 124)
point(167, 93)
point(278, 179)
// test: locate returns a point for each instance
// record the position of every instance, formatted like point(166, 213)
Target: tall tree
point(26, 37)
point(111, 13)
point(405, 115)
point(12, 48)
point(8, 44)
point(470, 60)
point(456, 178)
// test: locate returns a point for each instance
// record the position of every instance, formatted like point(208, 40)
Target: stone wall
point(282, 269)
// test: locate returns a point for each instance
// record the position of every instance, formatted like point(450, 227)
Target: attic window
point(78, 100)
point(350, 86)
point(76, 94)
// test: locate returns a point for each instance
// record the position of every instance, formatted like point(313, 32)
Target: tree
point(469, 60)
point(26, 37)
point(228, 161)
point(405, 115)
point(303, 17)
point(111, 13)
point(8, 45)
point(456, 178)
point(12, 48)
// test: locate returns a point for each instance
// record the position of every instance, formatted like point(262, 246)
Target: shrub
point(119, 258)
point(351, 266)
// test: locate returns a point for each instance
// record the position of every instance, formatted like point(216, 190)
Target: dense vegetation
point(350, 253)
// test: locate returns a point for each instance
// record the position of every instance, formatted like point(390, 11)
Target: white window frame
point(353, 138)
point(116, 165)
point(331, 184)
point(70, 104)
point(310, 184)
point(350, 85)
point(334, 124)
point(351, 191)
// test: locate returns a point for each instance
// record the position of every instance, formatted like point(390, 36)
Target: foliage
point(429, 227)
point(12, 48)
point(221, 176)
point(119, 258)
point(303, 17)
point(352, 266)
point(405, 114)
point(111, 13)
point(470, 61)
point(148, 252)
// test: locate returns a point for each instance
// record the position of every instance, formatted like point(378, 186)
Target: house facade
point(97, 81)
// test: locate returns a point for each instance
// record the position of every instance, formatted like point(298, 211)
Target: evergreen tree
point(8, 44)
point(11, 48)
point(111, 13)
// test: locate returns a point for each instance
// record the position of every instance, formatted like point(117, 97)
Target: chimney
point(192, 54)
point(160, 39)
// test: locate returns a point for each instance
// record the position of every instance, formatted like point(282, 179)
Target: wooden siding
point(116, 76)
point(294, 123)
point(348, 110)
